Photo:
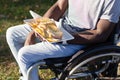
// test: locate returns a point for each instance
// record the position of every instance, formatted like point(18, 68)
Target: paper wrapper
point(46, 28)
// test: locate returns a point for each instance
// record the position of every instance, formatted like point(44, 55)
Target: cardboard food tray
point(65, 35)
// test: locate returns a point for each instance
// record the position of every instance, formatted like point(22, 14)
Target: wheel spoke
point(78, 75)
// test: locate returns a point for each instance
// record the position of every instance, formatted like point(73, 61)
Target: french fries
point(47, 28)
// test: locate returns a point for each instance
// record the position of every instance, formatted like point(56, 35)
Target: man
point(89, 21)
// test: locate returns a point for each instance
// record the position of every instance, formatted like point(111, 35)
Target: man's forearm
point(100, 34)
point(56, 11)
point(88, 37)
point(53, 12)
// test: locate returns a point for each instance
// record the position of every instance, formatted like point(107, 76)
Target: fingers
point(40, 37)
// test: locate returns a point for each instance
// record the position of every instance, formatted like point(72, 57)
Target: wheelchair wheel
point(92, 64)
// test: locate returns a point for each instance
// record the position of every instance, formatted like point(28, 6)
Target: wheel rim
point(86, 72)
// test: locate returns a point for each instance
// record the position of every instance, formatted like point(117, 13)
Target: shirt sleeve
point(111, 10)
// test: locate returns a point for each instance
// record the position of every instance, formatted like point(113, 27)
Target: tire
point(90, 64)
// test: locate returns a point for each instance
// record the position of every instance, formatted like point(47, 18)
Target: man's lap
point(45, 50)
point(41, 50)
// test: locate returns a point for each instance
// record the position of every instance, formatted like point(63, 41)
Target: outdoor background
point(13, 12)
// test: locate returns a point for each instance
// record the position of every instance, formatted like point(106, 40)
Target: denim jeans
point(27, 55)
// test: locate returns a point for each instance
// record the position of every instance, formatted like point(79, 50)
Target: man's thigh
point(19, 32)
point(45, 50)
point(16, 36)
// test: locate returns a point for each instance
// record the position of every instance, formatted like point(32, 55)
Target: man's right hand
point(40, 37)
point(30, 38)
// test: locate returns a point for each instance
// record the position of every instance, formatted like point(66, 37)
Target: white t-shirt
point(85, 13)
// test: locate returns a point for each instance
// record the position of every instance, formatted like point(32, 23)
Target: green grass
point(13, 12)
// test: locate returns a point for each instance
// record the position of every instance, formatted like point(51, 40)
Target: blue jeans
point(27, 55)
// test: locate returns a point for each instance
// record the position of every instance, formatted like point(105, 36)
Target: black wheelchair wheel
point(92, 64)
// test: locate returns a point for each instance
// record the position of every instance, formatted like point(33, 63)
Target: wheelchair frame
point(77, 62)
point(69, 67)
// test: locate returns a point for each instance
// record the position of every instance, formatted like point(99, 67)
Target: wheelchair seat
point(57, 60)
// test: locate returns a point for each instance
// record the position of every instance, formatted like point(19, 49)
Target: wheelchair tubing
point(106, 50)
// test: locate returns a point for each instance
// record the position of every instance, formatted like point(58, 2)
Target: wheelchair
point(98, 62)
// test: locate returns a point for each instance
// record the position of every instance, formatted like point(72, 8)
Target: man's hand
point(30, 38)
point(40, 37)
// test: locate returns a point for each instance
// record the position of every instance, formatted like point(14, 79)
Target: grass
point(13, 12)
